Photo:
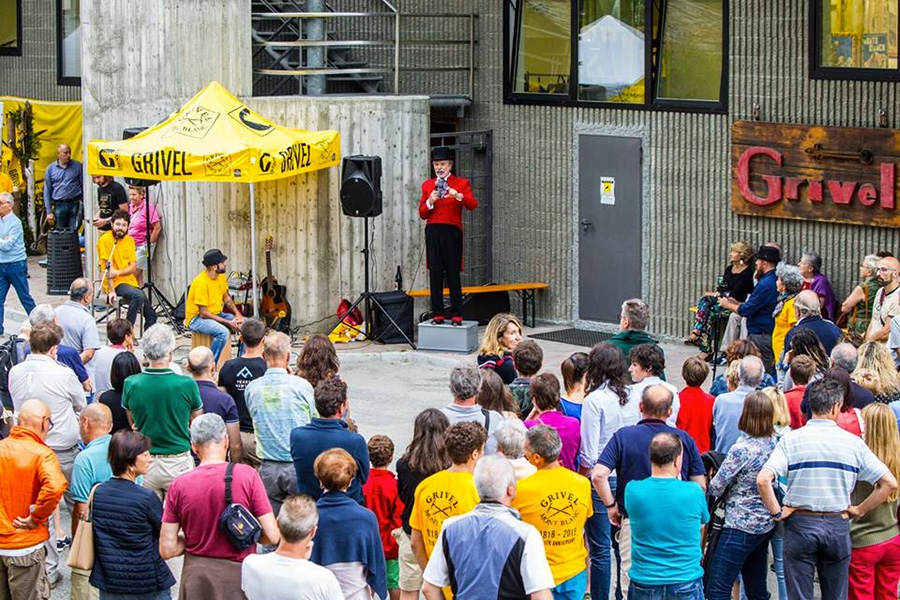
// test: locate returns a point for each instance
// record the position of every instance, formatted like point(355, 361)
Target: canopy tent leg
point(253, 248)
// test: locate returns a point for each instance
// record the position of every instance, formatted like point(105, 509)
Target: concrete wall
point(689, 220)
point(159, 58)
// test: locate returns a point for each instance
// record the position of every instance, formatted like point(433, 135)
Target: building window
point(598, 52)
point(68, 41)
point(11, 27)
point(854, 39)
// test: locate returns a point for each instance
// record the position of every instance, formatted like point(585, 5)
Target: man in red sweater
point(382, 498)
point(441, 205)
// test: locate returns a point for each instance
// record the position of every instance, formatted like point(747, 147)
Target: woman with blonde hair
point(736, 282)
point(501, 336)
point(875, 537)
point(876, 372)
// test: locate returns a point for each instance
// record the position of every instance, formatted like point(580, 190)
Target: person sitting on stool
point(118, 263)
point(206, 300)
point(441, 206)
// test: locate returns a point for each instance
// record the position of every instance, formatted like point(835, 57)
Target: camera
point(722, 288)
point(441, 187)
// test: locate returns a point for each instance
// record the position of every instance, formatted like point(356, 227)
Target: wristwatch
point(610, 505)
point(777, 515)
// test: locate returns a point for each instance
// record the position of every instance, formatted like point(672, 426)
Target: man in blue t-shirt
point(202, 366)
point(628, 454)
point(666, 515)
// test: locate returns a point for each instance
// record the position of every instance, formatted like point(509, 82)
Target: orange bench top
point(485, 289)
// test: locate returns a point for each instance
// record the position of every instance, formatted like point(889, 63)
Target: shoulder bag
point(237, 523)
point(81, 554)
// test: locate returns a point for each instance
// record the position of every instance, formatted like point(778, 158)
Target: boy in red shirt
point(803, 368)
point(380, 492)
point(695, 414)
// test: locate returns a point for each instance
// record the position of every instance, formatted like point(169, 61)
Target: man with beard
point(117, 256)
point(441, 206)
point(110, 197)
point(206, 301)
point(887, 300)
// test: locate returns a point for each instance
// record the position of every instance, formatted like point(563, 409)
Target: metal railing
point(392, 17)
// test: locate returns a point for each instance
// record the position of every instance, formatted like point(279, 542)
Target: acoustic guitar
point(274, 307)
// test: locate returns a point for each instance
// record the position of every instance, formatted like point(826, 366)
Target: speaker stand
point(370, 301)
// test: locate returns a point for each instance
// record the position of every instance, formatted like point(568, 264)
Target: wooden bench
point(525, 291)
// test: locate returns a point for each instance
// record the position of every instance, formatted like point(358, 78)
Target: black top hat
point(213, 257)
point(441, 153)
point(769, 254)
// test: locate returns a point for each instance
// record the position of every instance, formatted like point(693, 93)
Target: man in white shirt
point(287, 573)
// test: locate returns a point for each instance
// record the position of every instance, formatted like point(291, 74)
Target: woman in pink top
point(137, 228)
point(545, 395)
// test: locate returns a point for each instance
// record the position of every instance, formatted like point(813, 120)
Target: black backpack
point(11, 352)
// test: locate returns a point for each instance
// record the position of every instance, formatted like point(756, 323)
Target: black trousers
point(137, 301)
point(443, 248)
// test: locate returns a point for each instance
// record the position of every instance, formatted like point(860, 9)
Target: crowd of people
point(612, 482)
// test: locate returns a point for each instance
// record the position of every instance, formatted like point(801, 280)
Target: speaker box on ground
point(482, 307)
point(63, 261)
point(361, 186)
point(400, 307)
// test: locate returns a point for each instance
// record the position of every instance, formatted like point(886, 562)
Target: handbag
point(81, 554)
point(236, 522)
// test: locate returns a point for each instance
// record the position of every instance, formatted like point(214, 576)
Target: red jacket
point(447, 210)
point(794, 397)
point(30, 477)
point(380, 492)
point(695, 416)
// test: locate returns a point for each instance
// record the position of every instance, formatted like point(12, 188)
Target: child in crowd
point(528, 359)
point(695, 414)
point(803, 367)
point(574, 372)
point(545, 393)
point(380, 492)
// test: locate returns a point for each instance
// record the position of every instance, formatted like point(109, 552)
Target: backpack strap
point(228, 470)
point(487, 419)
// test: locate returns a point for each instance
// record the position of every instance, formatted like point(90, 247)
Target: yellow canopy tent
point(216, 137)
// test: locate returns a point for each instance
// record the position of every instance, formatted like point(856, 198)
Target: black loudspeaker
point(483, 307)
point(361, 186)
point(400, 307)
point(63, 261)
point(127, 134)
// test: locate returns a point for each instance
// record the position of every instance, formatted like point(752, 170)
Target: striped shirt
point(822, 464)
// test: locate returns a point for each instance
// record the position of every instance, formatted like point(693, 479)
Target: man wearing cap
point(760, 304)
point(207, 298)
point(441, 206)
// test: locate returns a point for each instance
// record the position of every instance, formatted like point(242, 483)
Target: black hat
point(213, 257)
point(441, 153)
point(769, 254)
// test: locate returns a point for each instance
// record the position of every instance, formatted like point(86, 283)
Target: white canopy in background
point(611, 54)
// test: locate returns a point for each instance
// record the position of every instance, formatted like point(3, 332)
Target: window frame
point(62, 79)
point(817, 71)
point(511, 32)
point(17, 49)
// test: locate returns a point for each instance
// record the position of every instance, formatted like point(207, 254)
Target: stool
point(201, 339)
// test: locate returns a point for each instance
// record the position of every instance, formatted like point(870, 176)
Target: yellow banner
point(53, 123)
point(215, 137)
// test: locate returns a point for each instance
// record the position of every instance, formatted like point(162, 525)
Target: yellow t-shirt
point(444, 494)
point(557, 502)
point(785, 320)
point(205, 292)
point(5, 183)
point(121, 258)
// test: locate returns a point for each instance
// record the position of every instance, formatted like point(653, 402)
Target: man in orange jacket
point(30, 489)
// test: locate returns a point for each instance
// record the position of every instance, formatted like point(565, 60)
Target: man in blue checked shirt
point(62, 190)
point(13, 268)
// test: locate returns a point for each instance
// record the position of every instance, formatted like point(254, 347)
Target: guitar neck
point(268, 263)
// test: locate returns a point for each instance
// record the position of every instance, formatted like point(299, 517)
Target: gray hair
point(845, 356)
point(206, 428)
point(750, 371)
point(813, 259)
point(80, 289)
point(870, 261)
point(200, 360)
point(158, 342)
point(807, 304)
point(493, 476)
point(790, 277)
point(824, 394)
point(7, 198)
point(465, 379)
point(40, 314)
point(545, 442)
point(510, 436)
point(277, 345)
point(297, 518)
point(637, 312)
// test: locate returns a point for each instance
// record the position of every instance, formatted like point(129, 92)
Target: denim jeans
point(597, 529)
point(777, 543)
point(739, 553)
point(68, 214)
point(137, 302)
point(15, 274)
point(692, 590)
point(218, 332)
point(816, 543)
